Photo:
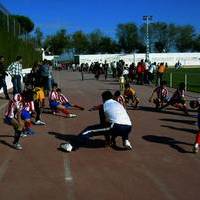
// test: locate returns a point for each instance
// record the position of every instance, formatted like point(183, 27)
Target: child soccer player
point(39, 103)
point(178, 99)
point(196, 104)
point(130, 94)
point(12, 116)
point(161, 95)
point(55, 104)
point(65, 101)
point(119, 98)
point(121, 83)
point(28, 111)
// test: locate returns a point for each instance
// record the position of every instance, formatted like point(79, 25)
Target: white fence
point(186, 59)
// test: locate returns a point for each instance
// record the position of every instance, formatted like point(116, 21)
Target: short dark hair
point(182, 86)
point(163, 83)
point(127, 85)
point(117, 93)
point(18, 58)
point(55, 85)
point(58, 90)
point(106, 95)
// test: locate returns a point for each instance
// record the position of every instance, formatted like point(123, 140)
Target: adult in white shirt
point(114, 122)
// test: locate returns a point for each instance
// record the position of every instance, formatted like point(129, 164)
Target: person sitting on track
point(56, 105)
point(114, 122)
point(178, 99)
point(12, 116)
point(65, 101)
point(130, 94)
point(161, 95)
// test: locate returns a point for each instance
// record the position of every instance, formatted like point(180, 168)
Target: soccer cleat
point(71, 115)
point(39, 122)
point(127, 145)
point(17, 146)
point(66, 146)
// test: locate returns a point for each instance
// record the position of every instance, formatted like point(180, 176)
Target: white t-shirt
point(115, 113)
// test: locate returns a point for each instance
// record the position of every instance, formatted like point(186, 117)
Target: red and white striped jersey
point(53, 96)
point(161, 92)
point(12, 108)
point(29, 106)
point(120, 99)
point(63, 99)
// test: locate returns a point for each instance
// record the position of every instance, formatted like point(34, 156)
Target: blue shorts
point(25, 115)
point(7, 120)
point(67, 105)
point(53, 104)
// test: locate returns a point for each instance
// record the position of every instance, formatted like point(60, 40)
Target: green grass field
point(193, 78)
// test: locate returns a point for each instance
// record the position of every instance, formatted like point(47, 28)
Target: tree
point(58, 43)
point(196, 44)
point(127, 35)
point(95, 39)
point(107, 45)
point(80, 42)
point(38, 37)
point(26, 24)
point(162, 36)
point(185, 38)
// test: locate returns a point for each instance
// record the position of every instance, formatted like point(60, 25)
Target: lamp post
point(147, 18)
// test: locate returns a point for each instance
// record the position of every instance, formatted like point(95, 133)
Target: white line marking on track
point(69, 179)
point(68, 175)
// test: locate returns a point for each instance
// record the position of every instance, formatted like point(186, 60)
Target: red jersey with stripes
point(161, 92)
point(12, 108)
point(53, 96)
point(29, 106)
point(120, 99)
point(62, 98)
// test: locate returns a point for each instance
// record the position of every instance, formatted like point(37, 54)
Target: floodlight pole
point(147, 18)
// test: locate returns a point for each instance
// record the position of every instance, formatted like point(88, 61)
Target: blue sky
point(87, 15)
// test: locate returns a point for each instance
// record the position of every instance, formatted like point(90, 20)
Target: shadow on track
point(180, 129)
point(167, 141)
point(77, 142)
point(191, 122)
point(152, 109)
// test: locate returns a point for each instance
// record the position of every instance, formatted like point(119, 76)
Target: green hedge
point(11, 46)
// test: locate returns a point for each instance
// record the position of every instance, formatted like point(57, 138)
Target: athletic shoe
point(29, 131)
point(66, 146)
point(196, 148)
point(39, 122)
point(127, 145)
point(17, 146)
point(23, 135)
point(71, 115)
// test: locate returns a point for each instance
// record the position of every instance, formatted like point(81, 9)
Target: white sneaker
point(196, 148)
point(23, 135)
point(17, 146)
point(39, 122)
point(71, 115)
point(66, 146)
point(127, 145)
